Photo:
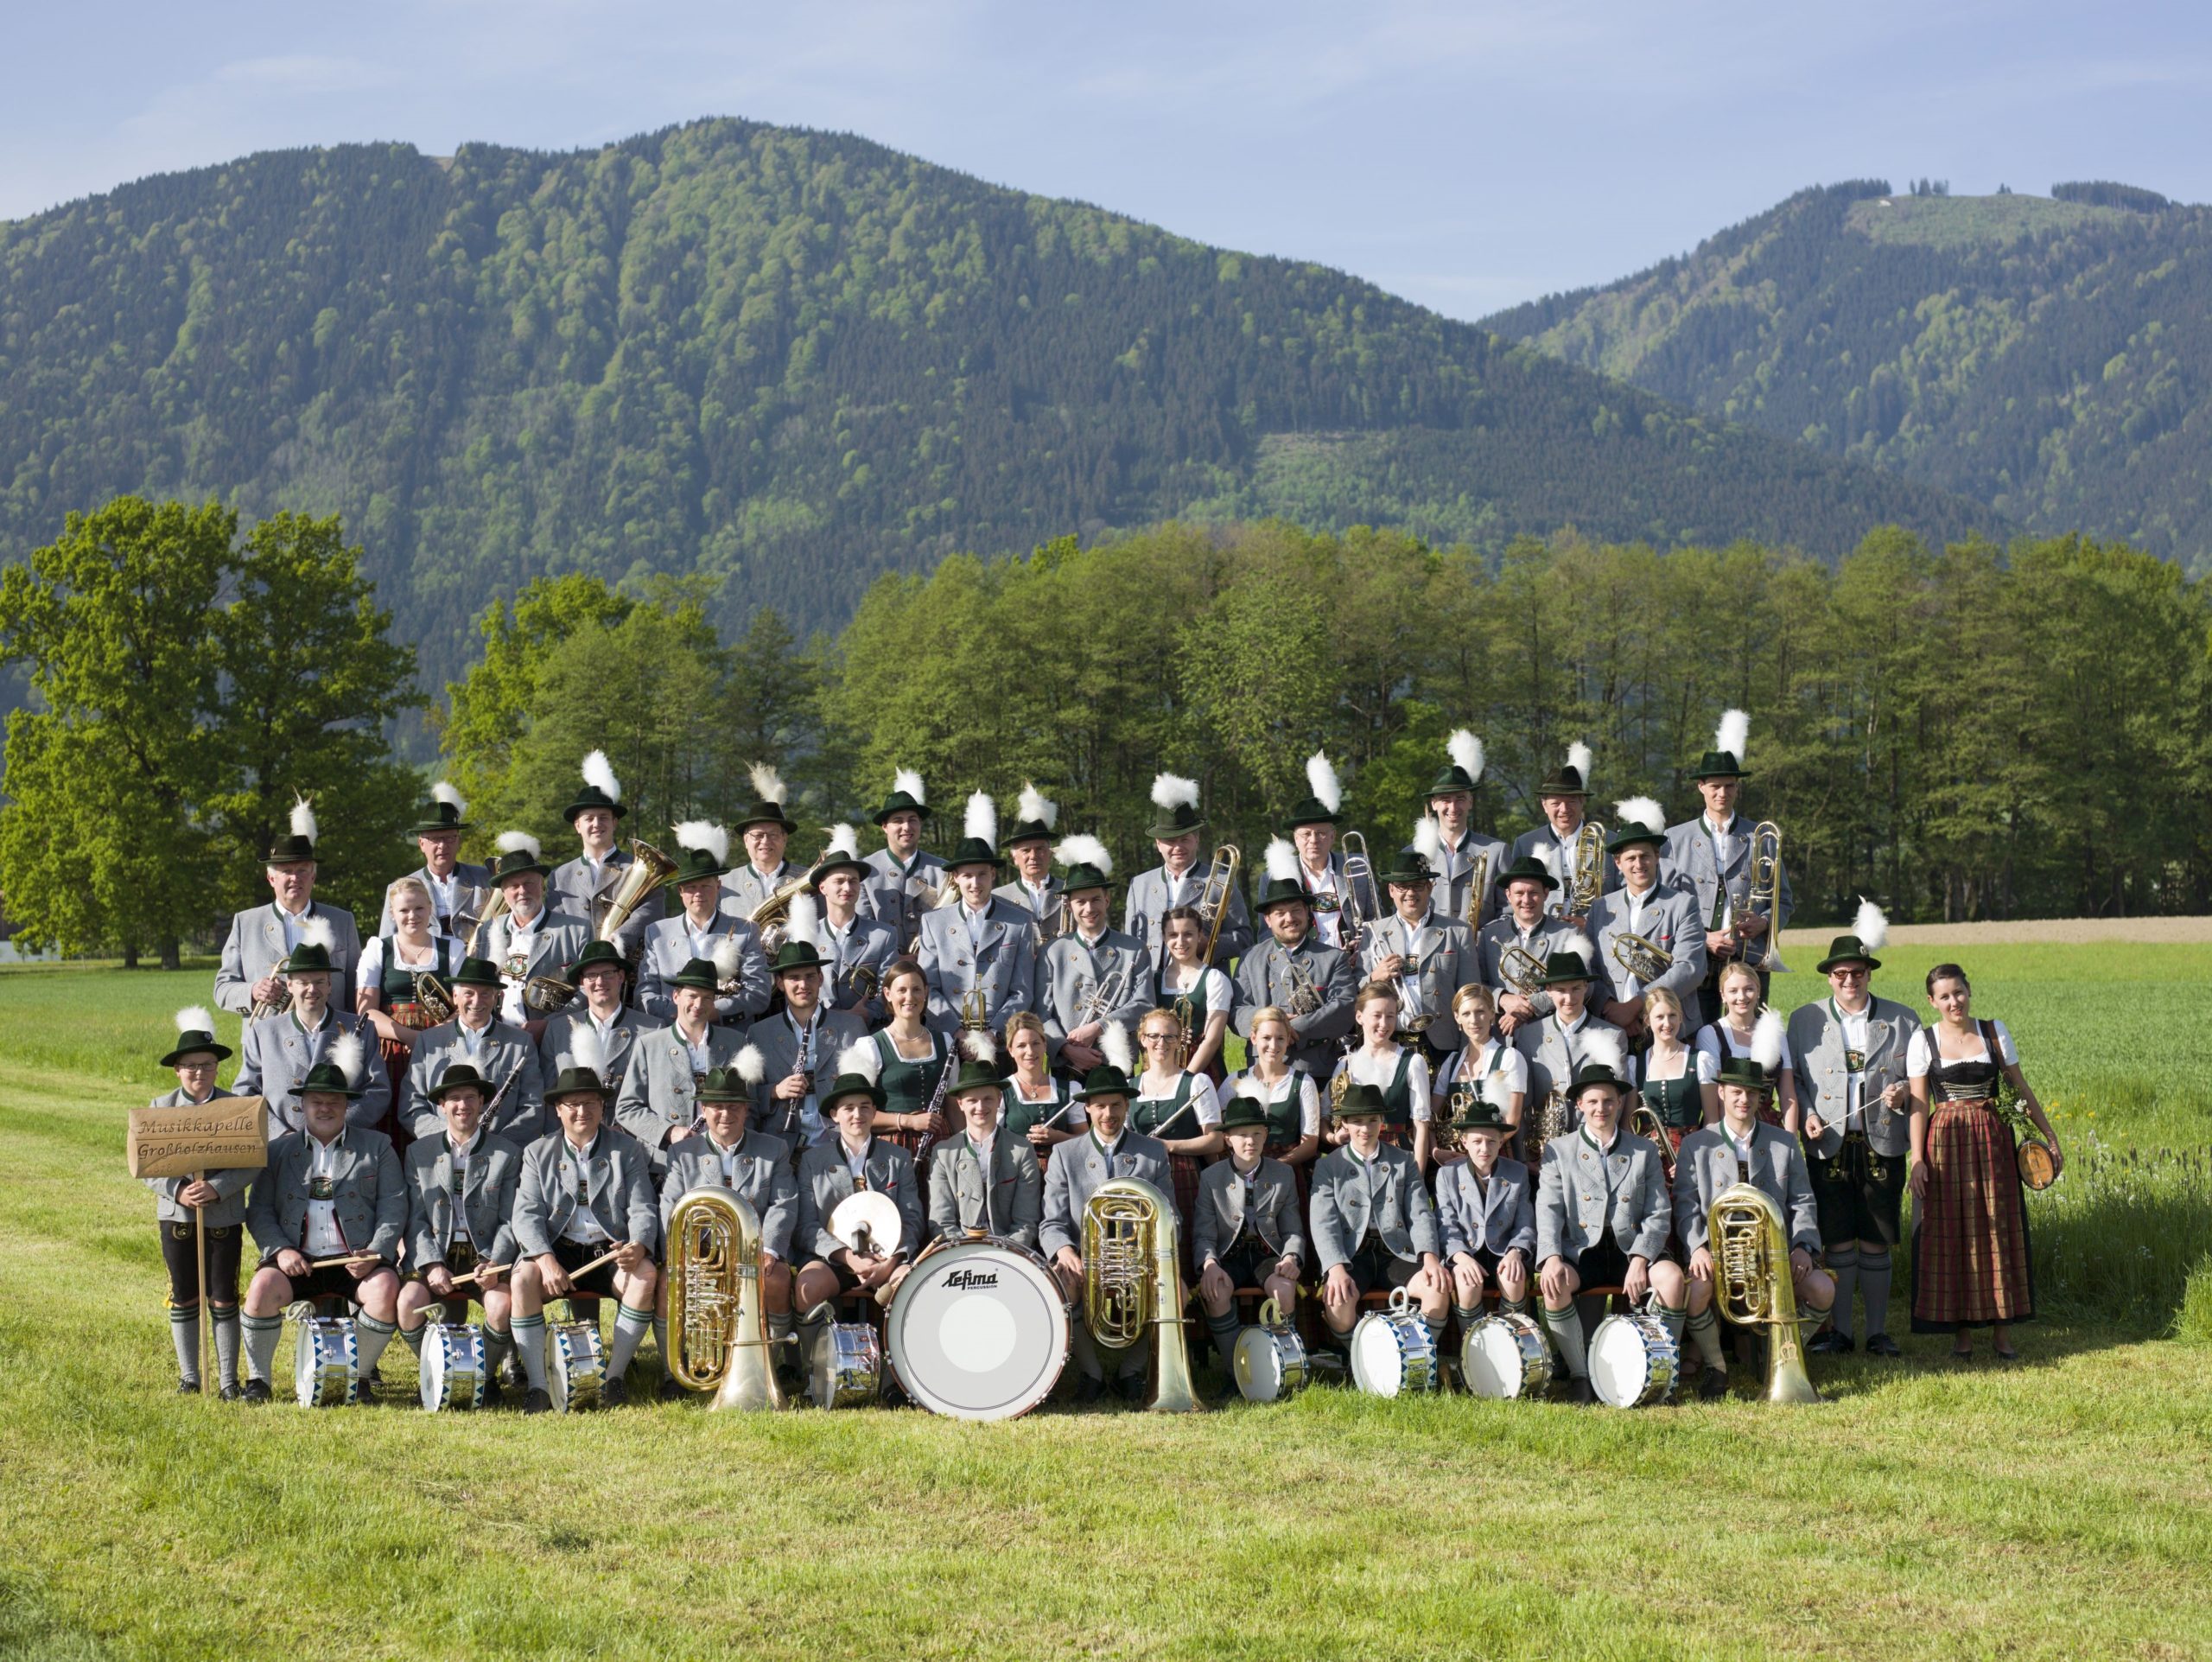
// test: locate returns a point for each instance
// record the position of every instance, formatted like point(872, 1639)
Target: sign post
point(224, 1135)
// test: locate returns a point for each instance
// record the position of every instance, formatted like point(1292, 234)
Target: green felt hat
point(1526, 868)
point(441, 813)
point(905, 797)
point(729, 1085)
point(1564, 966)
point(1412, 868)
point(795, 955)
point(975, 1075)
point(1632, 832)
point(766, 810)
point(1282, 891)
point(600, 789)
point(837, 859)
point(1742, 1070)
point(1464, 769)
point(598, 952)
point(1596, 1072)
point(973, 851)
point(1242, 1112)
point(519, 863)
point(1175, 807)
point(850, 1085)
point(1479, 1113)
point(1359, 1102)
point(1847, 949)
point(196, 1040)
point(693, 865)
point(1104, 1081)
point(572, 1081)
point(1570, 777)
point(477, 972)
point(327, 1077)
point(699, 973)
point(1310, 810)
point(461, 1076)
point(306, 959)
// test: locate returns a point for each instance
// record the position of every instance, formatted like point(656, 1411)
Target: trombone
point(1763, 952)
point(1586, 883)
point(1214, 898)
point(1363, 901)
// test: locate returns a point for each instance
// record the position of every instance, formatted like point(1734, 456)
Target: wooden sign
point(226, 1135)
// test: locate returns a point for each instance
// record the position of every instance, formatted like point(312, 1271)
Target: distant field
point(2062, 1508)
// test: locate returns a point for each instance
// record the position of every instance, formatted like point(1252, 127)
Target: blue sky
point(1466, 155)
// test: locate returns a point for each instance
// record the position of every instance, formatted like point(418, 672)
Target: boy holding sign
point(221, 1196)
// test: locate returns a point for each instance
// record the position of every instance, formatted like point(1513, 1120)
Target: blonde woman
point(1285, 1090)
point(1722, 1041)
point(1667, 1073)
point(1034, 1105)
point(1489, 1063)
point(386, 985)
point(1399, 1071)
point(1174, 1106)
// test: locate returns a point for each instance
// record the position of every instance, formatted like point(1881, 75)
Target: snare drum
point(1392, 1352)
point(327, 1367)
point(1506, 1355)
point(977, 1330)
point(1271, 1361)
point(575, 1366)
point(848, 1371)
point(1634, 1361)
point(452, 1376)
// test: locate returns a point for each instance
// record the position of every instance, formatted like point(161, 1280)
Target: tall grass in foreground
point(2125, 1236)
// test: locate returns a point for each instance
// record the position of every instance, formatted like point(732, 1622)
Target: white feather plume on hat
point(1642, 812)
point(194, 1018)
point(442, 791)
point(1080, 850)
point(1548, 857)
point(726, 955)
point(1465, 751)
point(1578, 758)
point(844, 843)
point(316, 931)
point(599, 773)
point(705, 834)
point(1282, 862)
point(1428, 840)
point(979, 1046)
point(909, 782)
point(1114, 1045)
point(346, 1052)
point(981, 821)
point(1766, 1039)
point(804, 924)
point(751, 1065)
point(585, 1049)
point(1173, 791)
point(1321, 780)
point(1872, 925)
point(1735, 728)
point(1582, 947)
point(303, 819)
point(517, 843)
point(1606, 1050)
point(862, 1057)
point(767, 783)
point(1036, 808)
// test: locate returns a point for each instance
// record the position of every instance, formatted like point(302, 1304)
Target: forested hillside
point(2051, 358)
point(791, 361)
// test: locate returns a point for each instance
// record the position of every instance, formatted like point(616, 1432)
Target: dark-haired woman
point(1970, 1235)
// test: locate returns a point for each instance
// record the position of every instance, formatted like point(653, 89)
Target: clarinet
point(936, 1106)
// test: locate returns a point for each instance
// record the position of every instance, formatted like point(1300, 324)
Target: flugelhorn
point(649, 868)
point(1644, 959)
point(1753, 1286)
point(1130, 1282)
point(773, 916)
point(1214, 897)
point(717, 1318)
point(1763, 951)
point(434, 997)
point(1521, 969)
point(1643, 1121)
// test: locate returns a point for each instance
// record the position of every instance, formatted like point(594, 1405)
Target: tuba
point(1130, 1282)
point(717, 1321)
point(1752, 1286)
point(1643, 959)
point(1363, 901)
point(1213, 898)
point(495, 907)
point(649, 869)
point(1763, 952)
point(1586, 883)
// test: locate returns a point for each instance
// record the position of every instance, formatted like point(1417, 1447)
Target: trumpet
point(1762, 951)
point(1585, 883)
point(279, 1001)
point(1521, 969)
point(1098, 999)
point(1363, 901)
point(1131, 1282)
point(1752, 1286)
point(1214, 897)
point(1643, 959)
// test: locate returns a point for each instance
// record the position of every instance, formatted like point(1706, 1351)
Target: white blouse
point(1214, 985)
point(1249, 1084)
point(1710, 1040)
point(1692, 1063)
point(1366, 1068)
point(1920, 1055)
point(370, 972)
point(1501, 1069)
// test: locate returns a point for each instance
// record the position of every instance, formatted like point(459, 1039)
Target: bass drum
point(848, 1371)
point(1506, 1356)
point(452, 1376)
point(1634, 1361)
point(575, 1366)
point(1392, 1352)
point(327, 1365)
point(977, 1331)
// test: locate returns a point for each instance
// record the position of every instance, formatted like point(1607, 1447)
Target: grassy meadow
point(2059, 1507)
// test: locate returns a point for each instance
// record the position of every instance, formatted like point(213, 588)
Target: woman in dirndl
point(1667, 1075)
point(1175, 1106)
point(1970, 1225)
point(1198, 994)
point(915, 1057)
point(384, 988)
point(1498, 1073)
point(1399, 1071)
point(1034, 1105)
point(1730, 1038)
point(1287, 1091)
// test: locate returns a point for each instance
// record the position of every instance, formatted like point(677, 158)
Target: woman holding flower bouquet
point(1970, 1237)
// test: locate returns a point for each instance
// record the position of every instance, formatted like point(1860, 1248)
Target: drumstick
point(347, 1261)
point(481, 1270)
point(606, 1257)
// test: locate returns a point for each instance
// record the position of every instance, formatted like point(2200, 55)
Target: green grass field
point(2061, 1508)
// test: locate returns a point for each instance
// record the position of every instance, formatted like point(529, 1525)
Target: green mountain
point(2051, 358)
point(791, 360)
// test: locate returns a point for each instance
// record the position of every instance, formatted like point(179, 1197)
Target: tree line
point(1971, 731)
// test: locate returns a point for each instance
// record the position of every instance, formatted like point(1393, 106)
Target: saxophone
point(717, 1321)
point(1752, 1286)
point(1130, 1246)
